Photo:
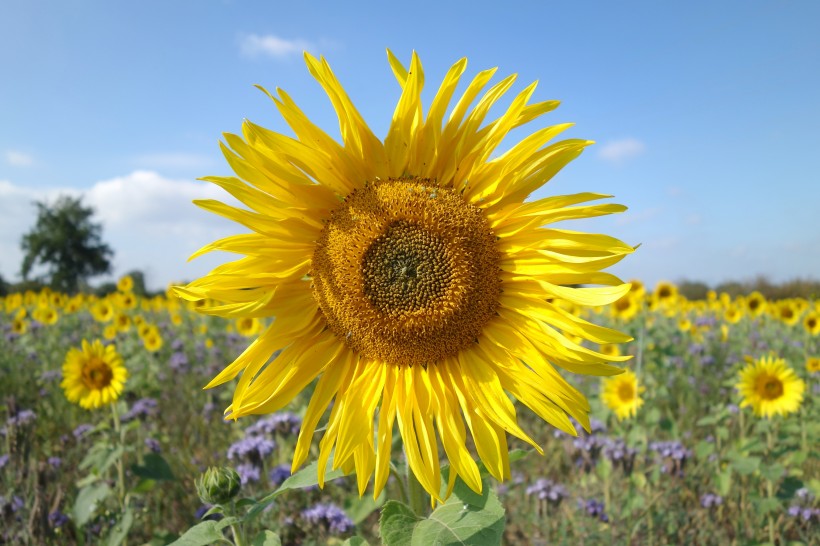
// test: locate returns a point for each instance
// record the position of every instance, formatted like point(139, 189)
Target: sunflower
point(813, 364)
point(756, 303)
point(622, 394)
point(94, 375)
point(770, 387)
point(125, 284)
point(410, 276)
point(811, 322)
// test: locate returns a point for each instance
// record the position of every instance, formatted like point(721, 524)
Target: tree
point(67, 242)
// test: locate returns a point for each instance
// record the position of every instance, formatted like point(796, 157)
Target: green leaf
point(120, 530)
point(772, 472)
point(154, 468)
point(704, 449)
point(355, 541)
point(466, 519)
point(724, 481)
point(766, 505)
point(266, 538)
point(397, 524)
point(144, 486)
point(358, 509)
point(745, 465)
point(306, 477)
point(205, 533)
point(100, 457)
point(87, 500)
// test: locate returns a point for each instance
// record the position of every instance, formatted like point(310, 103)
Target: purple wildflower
point(178, 362)
point(594, 508)
point(144, 407)
point(284, 424)
point(4, 460)
point(330, 516)
point(279, 474)
point(153, 445)
point(548, 490)
point(55, 462)
point(252, 448)
point(248, 472)
point(51, 375)
point(57, 519)
point(82, 430)
point(710, 500)
point(22, 418)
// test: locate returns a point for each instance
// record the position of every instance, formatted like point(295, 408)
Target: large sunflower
point(410, 276)
point(770, 387)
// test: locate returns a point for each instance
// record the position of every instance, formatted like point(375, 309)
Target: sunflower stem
point(770, 481)
point(416, 495)
point(120, 431)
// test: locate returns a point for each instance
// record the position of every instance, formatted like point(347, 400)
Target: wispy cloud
point(619, 151)
point(16, 158)
point(270, 45)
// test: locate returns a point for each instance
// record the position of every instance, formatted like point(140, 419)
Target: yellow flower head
point(412, 276)
point(811, 322)
point(94, 375)
point(151, 338)
point(622, 394)
point(102, 311)
point(125, 284)
point(248, 326)
point(770, 387)
point(756, 304)
point(813, 364)
point(46, 315)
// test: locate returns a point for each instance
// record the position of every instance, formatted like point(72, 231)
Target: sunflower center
point(770, 388)
point(626, 392)
point(406, 272)
point(96, 374)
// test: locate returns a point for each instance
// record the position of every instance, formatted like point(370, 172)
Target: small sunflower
point(756, 303)
point(411, 276)
point(770, 387)
point(813, 364)
point(93, 375)
point(622, 394)
point(811, 322)
point(125, 284)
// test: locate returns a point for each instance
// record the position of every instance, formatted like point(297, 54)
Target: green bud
point(218, 485)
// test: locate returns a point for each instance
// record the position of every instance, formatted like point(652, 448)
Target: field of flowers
point(713, 440)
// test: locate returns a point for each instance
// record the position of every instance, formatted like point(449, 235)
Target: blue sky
point(706, 114)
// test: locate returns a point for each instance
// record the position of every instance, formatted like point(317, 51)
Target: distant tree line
point(796, 288)
point(64, 249)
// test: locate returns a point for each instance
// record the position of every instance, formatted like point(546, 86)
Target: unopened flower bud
point(218, 485)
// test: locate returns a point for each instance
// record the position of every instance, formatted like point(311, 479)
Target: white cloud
point(148, 220)
point(16, 158)
point(270, 45)
point(621, 150)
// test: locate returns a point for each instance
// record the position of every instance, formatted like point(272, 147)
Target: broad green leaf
point(154, 467)
point(355, 541)
point(266, 538)
point(788, 487)
point(120, 530)
point(205, 533)
point(87, 501)
point(772, 472)
point(466, 519)
point(723, 479)
point(745, 465)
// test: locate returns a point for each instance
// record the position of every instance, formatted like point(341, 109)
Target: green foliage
point(67, 242)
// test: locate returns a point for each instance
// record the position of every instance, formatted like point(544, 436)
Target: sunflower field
point(710, 439)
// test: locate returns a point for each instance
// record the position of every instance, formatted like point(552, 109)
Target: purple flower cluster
point(142, 408)
point(153, 445)
point(546, 489)
point(710, 500)
point(4, 460)
point(57, 519)
point(22, 418)
point(251, 448)
point(330, 516)
point(283, 424)
point(594, 508)
point(674, 456)
point(178, 362)
point(248, 472)
point(55, 462)
point(803, 509)
point(82, 430)
point(279, 474)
